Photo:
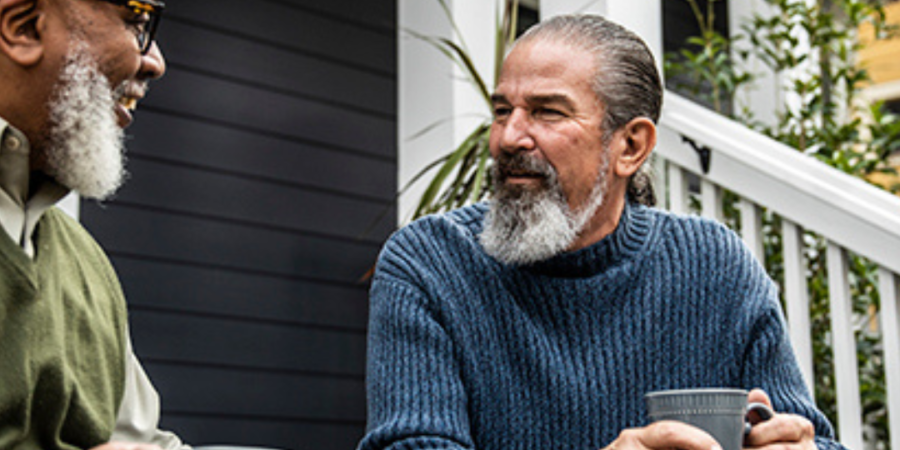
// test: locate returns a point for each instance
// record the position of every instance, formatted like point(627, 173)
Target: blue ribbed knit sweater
point(468, 353)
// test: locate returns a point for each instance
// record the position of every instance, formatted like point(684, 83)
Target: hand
point(126, 446)
point(665, 435)
point(787, 431)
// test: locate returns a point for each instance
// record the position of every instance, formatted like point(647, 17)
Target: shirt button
point(13, 143)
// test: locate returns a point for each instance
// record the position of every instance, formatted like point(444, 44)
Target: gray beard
point(86, 144)
point(524, 226)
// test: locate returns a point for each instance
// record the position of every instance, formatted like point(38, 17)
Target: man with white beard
point(72, 73)
point(540, 319)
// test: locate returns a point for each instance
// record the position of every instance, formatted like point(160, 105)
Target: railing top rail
point(842, 208)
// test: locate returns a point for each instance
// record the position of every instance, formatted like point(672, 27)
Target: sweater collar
point(626, 242)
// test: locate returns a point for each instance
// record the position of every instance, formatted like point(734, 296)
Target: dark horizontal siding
point(211, 290)
point(220, 54)
point(377, 15)
point(310, 414)
point(223, 342)
point(293, 30)
point(263, 184)
point(255, 154)
point(271, 112)
point(250, 200)
point(237, 246)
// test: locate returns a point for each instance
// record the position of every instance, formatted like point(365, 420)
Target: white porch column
point(644, 17)
point(432, 89)
point(763, 98)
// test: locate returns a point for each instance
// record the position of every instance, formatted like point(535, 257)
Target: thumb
point(759, 396)
point(756, 415)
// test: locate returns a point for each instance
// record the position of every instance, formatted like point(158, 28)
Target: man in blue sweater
point(540, 319)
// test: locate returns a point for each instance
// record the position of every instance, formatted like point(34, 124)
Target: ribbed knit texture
point(465, 352)
point(62, 340)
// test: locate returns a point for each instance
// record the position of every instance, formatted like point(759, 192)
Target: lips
point(127, 103)
point(123, 114)
point(521, 169)
point(529, 168)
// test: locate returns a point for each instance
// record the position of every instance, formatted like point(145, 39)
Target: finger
point(759, 396)
point(669, 434)
point(781, 429)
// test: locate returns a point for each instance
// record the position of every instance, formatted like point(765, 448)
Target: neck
point(603, 223)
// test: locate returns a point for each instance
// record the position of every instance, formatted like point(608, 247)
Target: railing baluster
point(846, 368)
point(678, 201)
point(712, 200)
point(796, 297)
point(889, 289)
point(751, 228)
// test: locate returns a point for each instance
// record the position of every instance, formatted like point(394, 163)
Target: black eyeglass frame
point(153, 8)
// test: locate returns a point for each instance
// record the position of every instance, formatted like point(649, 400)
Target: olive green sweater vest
point(62, 340)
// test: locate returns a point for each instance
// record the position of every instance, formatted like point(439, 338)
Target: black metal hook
point(703, 152)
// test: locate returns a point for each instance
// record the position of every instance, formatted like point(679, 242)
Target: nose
point(153, 64)
point(515, 134)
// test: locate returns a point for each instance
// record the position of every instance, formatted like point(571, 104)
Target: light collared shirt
point(24, 197)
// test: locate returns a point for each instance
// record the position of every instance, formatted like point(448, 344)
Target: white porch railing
point(808, 195)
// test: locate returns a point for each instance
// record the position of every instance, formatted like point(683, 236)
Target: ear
point(639, 138)
point(21, 29)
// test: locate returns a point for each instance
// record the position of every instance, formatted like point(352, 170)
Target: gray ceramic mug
point(721, 412)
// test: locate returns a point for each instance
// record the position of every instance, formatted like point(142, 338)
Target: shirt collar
point(23, 198)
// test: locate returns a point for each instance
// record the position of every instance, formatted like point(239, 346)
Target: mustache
point(131, 88)
point(506, 165)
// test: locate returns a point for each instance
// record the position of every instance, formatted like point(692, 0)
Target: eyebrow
point(497, 98)
point(560, 99)
point(542, 99)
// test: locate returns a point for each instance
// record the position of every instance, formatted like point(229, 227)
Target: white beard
point(86, 144)
point(524, 226)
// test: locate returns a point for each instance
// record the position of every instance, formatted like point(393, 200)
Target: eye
point(502, 111)
point(548, 113)
point(138, 22)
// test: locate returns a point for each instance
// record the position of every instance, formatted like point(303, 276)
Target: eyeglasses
point(147, 31)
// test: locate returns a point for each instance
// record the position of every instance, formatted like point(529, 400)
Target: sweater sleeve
point(771, 365)
point(416, 397)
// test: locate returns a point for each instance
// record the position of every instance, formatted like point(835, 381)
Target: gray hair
point(626, 81)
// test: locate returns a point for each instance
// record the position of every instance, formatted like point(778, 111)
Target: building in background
point(881, 58)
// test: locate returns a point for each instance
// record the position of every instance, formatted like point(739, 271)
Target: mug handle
point(762, 412)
